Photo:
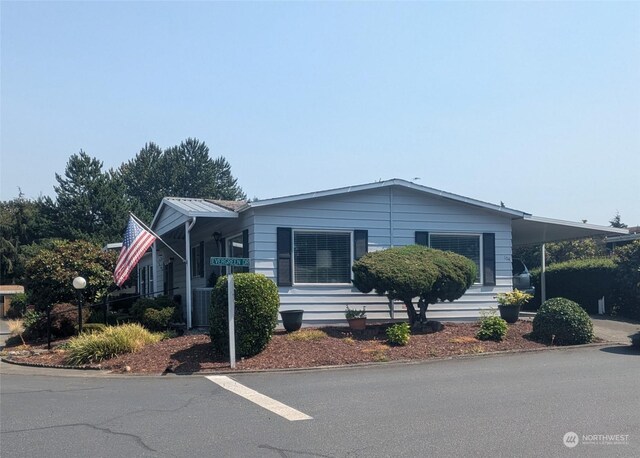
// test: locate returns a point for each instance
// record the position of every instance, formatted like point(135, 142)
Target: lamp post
point(79, 283)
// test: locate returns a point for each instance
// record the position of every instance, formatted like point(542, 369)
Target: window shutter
point(284, 256)
point(201, 264)
point(360, 243)
point(245, 243)
point(489, 258)
point(422, 238)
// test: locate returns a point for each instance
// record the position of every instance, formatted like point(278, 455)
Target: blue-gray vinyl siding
point(391, 216)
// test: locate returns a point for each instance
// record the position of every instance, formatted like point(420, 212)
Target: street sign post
point(229, 263)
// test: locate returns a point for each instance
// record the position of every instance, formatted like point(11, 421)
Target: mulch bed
point(341, 346)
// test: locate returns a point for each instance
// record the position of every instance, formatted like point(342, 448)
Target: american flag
point(136, 242)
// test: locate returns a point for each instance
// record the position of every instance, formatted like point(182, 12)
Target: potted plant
point(291, 319)
point(510, 303)
point(357, 318)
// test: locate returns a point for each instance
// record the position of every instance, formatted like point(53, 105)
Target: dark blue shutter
point(245, 243)
point(422, 238)
point(489, 258)
point(360, 243)
point(245, 247)
point(285, 274)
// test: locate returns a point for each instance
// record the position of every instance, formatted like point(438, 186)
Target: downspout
point(187, 245)
point(154, 269)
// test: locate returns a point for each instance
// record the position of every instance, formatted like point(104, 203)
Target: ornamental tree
point(414, 271)
point(50, 273)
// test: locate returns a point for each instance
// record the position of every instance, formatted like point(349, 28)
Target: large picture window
point(465, 245)
point(322, 257)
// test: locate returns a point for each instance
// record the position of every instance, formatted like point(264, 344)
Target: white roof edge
point(381, 184)
point(595, 227)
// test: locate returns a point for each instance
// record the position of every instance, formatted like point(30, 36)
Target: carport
point(536, 230)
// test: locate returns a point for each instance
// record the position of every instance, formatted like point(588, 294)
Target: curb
point(49, 366)
point(400, 362)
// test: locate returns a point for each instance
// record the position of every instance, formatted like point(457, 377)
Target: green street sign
point(236, 262)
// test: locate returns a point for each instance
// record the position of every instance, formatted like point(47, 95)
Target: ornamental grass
point(113, 341)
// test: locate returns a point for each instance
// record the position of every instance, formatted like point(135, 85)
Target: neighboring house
point(6, 293)
point(620, 240)
point(307, 244)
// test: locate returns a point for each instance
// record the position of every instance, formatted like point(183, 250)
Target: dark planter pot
point(357, 324)
point(509, 313)
point(292, 319)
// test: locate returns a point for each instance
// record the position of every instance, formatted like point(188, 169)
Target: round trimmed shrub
point(562, 322)
point(492, 328)
point(256, 304)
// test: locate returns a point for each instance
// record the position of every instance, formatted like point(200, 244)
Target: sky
point(535, 104)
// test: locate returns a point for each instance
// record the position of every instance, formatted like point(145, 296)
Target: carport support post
point(232, 315)
point(543, 283)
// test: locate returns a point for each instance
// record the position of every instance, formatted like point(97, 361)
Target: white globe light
point(79, 283)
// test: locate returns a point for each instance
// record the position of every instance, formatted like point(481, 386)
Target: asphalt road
point(511, 405)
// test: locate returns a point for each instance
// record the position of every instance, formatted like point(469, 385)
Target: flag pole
point(156, 236)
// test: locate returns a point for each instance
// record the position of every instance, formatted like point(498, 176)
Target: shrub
point(18, 306)
point(562, 322)
point(583, 281)
point(113, 341)
point(256, 307)
point(155, 313)
point(627, 281)
point(34, 324)
point(404, 273)
point(492, 328)
point(158, 320)
point(92, 328)
point(64, 319)
point(399, 334)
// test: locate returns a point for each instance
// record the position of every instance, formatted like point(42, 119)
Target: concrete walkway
point(614, 329)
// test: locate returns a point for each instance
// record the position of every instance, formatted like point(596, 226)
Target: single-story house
point(307, 243)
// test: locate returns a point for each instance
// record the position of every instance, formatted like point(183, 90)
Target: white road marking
point(263, 401)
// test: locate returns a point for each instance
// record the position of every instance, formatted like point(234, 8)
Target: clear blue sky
point(534, 104)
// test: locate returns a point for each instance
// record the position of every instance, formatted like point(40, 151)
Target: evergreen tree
point(90, 204)
point(615, 222)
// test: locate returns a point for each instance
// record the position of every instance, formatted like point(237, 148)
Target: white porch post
point(543, 284)
point(154, 269)
point(187, 293)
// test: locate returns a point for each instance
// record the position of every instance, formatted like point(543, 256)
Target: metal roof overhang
point(531, 230)
point(187, 209)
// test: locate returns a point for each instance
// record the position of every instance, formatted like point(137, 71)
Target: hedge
point(627, 281)
point(584, 281)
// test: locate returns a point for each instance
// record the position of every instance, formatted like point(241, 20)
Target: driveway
point(614, 330)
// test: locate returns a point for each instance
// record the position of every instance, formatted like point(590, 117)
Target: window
point(235, 249)
point(465, 245)
point(322, 257)
point(197, 260)
point(146, 280)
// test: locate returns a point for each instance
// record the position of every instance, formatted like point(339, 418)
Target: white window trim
point(481, 249)
point(324, 231)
